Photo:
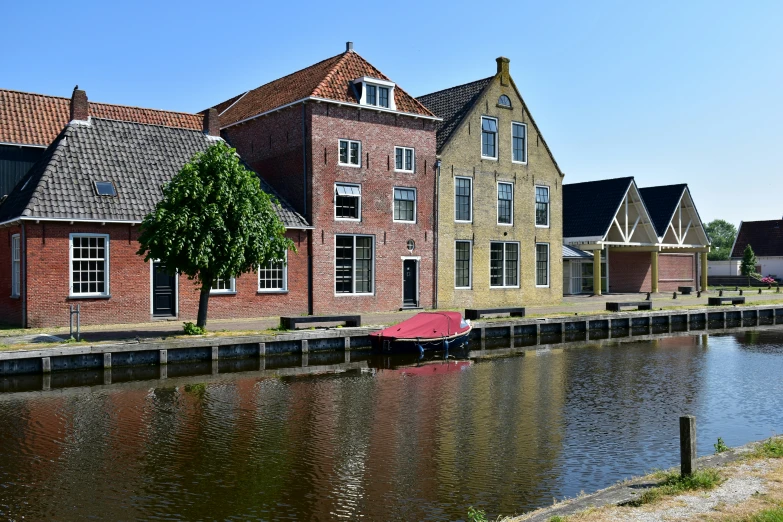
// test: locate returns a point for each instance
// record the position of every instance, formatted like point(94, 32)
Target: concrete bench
point(717, 301)
point(685, 290)
point(476, 313)
point(289, 323)
point(639, 305)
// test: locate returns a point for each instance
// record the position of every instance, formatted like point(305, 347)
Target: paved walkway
point(578, 304)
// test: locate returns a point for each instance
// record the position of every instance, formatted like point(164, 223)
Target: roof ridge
point(456, 86)
point(35, 94)
point(144, 108)
point(131, 122)
point(597, 181)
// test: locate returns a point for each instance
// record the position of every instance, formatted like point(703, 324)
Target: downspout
point(436, 212)
point(309, 219)
point(23, 277)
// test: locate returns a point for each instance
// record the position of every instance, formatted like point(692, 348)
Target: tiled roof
point(661, 203)
point(137, 158)
point(452, 105)
point(764, 237)
point(37, 119)
point(570, 252)
point(590, 207)
point(329, 79)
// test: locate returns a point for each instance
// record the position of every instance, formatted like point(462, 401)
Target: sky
point(667, 91)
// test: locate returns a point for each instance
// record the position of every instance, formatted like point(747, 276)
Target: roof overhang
point(35, 219)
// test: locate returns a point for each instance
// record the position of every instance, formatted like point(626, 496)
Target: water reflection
point(387, 438)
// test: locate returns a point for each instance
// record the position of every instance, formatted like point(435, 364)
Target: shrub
point(476, 515)
point(192, 329)
point(720, 446)
point(769, 280)
point(674, 483)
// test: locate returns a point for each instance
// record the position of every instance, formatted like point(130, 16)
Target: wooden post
point(107, 360)
point(46, 364)
point(687, 444)
point(596, 272)
point(214, 353)
point(654, 278)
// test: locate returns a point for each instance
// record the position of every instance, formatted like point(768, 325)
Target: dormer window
point(375, 92)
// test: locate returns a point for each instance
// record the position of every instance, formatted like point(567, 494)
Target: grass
point(673, 483)
point(768, 515)
point(769, 449)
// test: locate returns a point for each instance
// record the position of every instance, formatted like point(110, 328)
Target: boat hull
point(394, 345)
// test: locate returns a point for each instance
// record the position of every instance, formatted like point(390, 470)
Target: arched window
point(504, 101)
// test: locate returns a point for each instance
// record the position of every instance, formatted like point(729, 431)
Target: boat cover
point(427, 325)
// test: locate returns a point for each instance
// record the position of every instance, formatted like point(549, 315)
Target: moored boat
point(425, 331)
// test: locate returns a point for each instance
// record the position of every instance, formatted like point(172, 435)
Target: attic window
point(504, 101)
point(375, 92)
point(105, 188)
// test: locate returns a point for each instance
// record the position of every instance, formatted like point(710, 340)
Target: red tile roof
point(330, 79)
point(37, 119)
point(764, 237)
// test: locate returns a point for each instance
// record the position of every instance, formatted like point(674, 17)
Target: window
point(542, 206)
point(347, 201)
point(105, 188)
point(89, 265)
point(504, 264)
point(403, 159)
point(504, 101)
point(519, 142)
point(542, 264)
point(505, 203)
point(383, 97)
point(405, 205)
point(489, 138)
point(371, 95)
point(223, 286)
point(375, 92)
point(377, 95)
point(462, 255)
point(16, 265)
point(350, 153)
point(354, 265)
point(463, 197)
point(273, 277)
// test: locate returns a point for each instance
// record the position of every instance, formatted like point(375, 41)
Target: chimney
point(348, 47)
point(503, 70)
point(211, 122)
point(80, 109)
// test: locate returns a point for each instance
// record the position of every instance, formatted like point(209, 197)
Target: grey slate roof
point(764, 237)
point(661, 203)
point(452, 105)
point(570, 252)
point(590, 207)
point(138, 158)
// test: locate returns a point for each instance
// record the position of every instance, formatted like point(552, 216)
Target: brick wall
point(10, 307)
point(48, 249)
point(676, 270)
point(632, 271)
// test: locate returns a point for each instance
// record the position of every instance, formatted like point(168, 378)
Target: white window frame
point(470, 264)
point(548, 265)
point(523, 125)
point(353, 291)
point(106, 264)
point(415, 204)
point(497, 210)
point(16, 265)
point(413, 159)
point(497, 141)
point(274, 290)
point(377, 83)
point(349, 142)
point(455, 199)
point(548, 206)
point(359, 186)
point(225, 291)
point(504, 286)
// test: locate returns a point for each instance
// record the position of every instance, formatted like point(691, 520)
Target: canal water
point(386, 439)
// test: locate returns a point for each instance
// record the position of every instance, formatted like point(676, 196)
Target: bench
point(476, 313)
point(685, 290)
point(289, 323)
point(639, 305)
point(717, 301)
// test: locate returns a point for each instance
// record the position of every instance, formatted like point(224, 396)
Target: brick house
point(68, 231)
point(499, 198)
point(631, 239)
point(355, 155)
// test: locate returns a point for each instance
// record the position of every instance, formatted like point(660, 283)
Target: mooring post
point(163, 358)
point(687, 444)
point(107, 376)
point(262, 349)
point(305, 346)
point(107, 360)
point(214, 353)
point(46, 365)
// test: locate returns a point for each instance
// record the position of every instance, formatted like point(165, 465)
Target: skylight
point(105, 188)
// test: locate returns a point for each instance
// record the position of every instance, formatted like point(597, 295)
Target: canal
point(380, 440)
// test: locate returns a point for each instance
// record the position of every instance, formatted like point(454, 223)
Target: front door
point(410, 284)
point(164, 292)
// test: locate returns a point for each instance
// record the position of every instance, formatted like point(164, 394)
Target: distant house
point(648, 238)
point(766, 240)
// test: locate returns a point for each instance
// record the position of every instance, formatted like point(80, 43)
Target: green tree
point(722, 235)
point(214, 221)
point(748, 264)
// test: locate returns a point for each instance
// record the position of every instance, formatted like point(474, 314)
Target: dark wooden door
point(164, 292)
point(410, 285)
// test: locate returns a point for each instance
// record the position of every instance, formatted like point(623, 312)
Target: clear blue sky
point(666, 91)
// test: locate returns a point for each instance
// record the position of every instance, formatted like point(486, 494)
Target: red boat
point(424, 332)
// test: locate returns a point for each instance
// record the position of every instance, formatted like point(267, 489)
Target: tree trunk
point(203, 304)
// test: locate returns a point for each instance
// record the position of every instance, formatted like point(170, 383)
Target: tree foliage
point(214, 221)
point(722, 235)
point(748, 265)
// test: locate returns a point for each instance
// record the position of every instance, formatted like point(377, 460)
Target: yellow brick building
point(499, 199)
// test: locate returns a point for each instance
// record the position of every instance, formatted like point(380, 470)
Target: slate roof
point(36, 119)
point(765, 237)
point(453, 105)
point(570, 252)
point(661, 203)
point(137, 158)
point(329, 79)
point(590, 207)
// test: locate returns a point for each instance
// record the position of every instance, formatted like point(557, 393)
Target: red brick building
point(69, 230)
point(355, 155)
